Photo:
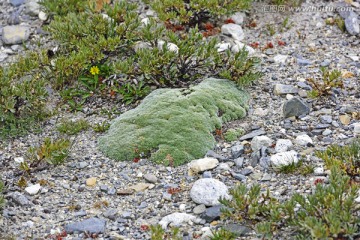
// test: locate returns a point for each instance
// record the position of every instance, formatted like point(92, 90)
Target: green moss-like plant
point(2, 199)
point(233, 134)
point(174, 126)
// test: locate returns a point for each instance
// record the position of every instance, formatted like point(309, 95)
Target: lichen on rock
point(175, 125)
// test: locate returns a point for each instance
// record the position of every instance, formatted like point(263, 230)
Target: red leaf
point(281, 43)
point(229, 20)
point(136, 160)
point(144, 227)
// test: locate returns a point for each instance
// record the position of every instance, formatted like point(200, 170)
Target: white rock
point(32, 7)
point(207, 191)
point(233, 30)
point(19, 160)
point(182, 207)
point(326, 132)
point(201, 165)
point(221, 47)
point(358, 198)
point(356, 129)
point(238, 17)
point(145, 21)
point(239, 46)
point(176, 219)
point(354, 58)
point(42, 16)
point(172, 47)
point(224, 167)
point(303, 140)
point(3, 56)
point(260, 112)
point(280, 58)
point(284, 158)
point(283, 145)
point(260, 141)
point(33, 189)
point(318, 170)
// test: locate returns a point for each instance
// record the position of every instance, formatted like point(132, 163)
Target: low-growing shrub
point(73, 127)
point(323, 87)
point(2, 199)
point(175, 125)
point(233, 134)
point(158, 233)
point(101, 127)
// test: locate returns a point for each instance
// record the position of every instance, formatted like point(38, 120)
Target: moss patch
point(174, 126)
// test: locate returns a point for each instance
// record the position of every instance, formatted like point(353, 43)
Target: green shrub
point(328, 81)
point(157, 233)
point(329, 213)
point(2, 199)
point(73, 127)
point(51, 151)
point(175, 124)
point(195, 12)
point(346, 158)
point(101, 127)
point(233, 134)
point(22, 95)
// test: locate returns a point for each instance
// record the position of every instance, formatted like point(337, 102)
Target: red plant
point(144, 227)
point(229, 20)
point(252, 24)
point(254, 44)
point(318, 181)
point(281, 43)
point(208, 26)
point(173, 190)
point(58, 236)
point(136, 160)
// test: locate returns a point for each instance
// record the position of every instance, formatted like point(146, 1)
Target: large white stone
point(282, 145)
point(260, 141)
point(233, 30)
point(171, 46)
point(303, 140)
point(201, 165)
point(284, 158)
point(15, 34)
point(176, 219)
point(221, 47)
point(239, 46)
point(238, 17)
point(33, 189)
point(207, 191)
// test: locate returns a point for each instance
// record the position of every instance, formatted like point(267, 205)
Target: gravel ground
point(66, 197)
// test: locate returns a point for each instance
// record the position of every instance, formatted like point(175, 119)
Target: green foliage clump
point(330, 80)
point(175, 125)
point(195, 12)
point(73, 127)
point(2, 199)
point(296, 167)
point(330, 212)
point(346, 158)
point(233, 134)
point(51, 151)
point(158, 233)
point(101, 127)
point(63, 7)
point(22, 95)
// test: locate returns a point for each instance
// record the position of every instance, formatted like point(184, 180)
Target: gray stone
point(326, 132)
point(282, 145)
point(111, 191)
point(20, 199)
point(82, 165)
point(246, 171)
point(143, 205)
point(343, 9)
point(32, 7)
point(16, 3)
point(303, 140)
point(80, 213)
point(303, 62)
point(151, 178)
point(264, 162)
point(167, 196)
point(253, 134)
point(238, 176)
point(284, 158)
point(91, 225)
point(208, 191)
point(212, 213)
point(260, 141)
point(14, 18)
point(207, 174)
point(3, 56)
point(199, 209)
point(325, 63)
point(15, 34)
point(233, 30)
point(280, 89)
point(237, 151)
point(111, 213)
point(237, 229)
point(304, 86)
point(295, 107)
point(326, 119)
point(239, 161)
point(176, 219)
point(213, 154)
point(352, 24)
point(103, 188)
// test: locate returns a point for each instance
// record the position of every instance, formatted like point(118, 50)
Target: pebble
point(176, 219)
point(207, 191)
point(295, 107)
point(283, 145)
point(15, 34)
point(16, 3)
point(260, 141)
point(212, 213)
point(233, 30)
point(284, 158)
point(303, 140)
point(253, 134)
point(238, 17)
point(280, 89)
point(151, 178)
point(91, 225)
point(352, 24)
point(280, 58)
point(20, 199)
point(91, 181)
point(201, 165)
point(345, 119)
point(33, 189)
point(199, 209)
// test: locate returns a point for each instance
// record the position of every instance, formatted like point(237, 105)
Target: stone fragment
point(212, 213)
point(201, 165)
point(141, 187)
point(207, 191)
point(151, 178)
point(295, 107)
point(199, 209)
point(280, 89)
point(357, 129)
point(20, 199)
point(32, 7)
point(176, 219)
point(280, 58)
point(284, 158)
point(123, 192)
point(238, 17)
point(15, 34)
point(91, 181)
point(352, 24)
point(260, 141)
point(345, 119)
point(91, 225)
point(283, 145)
point(303, 140)
point(253, 134)
point(33, 189)
point(233, 30)
point(237, 229)
point(238, 46)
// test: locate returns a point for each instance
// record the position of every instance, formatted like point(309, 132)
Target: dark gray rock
point(212, 213)
point(103, 188)
point(253, 134)
point(20, 199)
point(239, 161)
point(237, 151)
point(246, 171)
point(91, 225)
point(295, 107)
point(238, 176)
point(304, 86)
point(264, 162)
point(213, 154)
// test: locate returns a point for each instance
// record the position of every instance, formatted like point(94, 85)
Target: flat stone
point(199, 209)
point(295, 107)
point(345, 119)
point(91, 225)
point(141, 187)
point(237, 229)
point(253, 134)
point(326, 119)
point(303, 140)
point(212, 213)
point(233, 30)
point(33, 189)
point(352, 24)
point(260, 141)
point(208, 191)
point(20, 199)
point(284, 158)
point(303, 62)
point(280, 58)
point(201, 165)
point(176, 219)
point(124, 192)
point(16, 3)
point(15, 34)
point(238, 176)
point(111, 213)
point(91, 181)
point(237, 151)
point(239, 161)
point(280, 89)
point(151, 178)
